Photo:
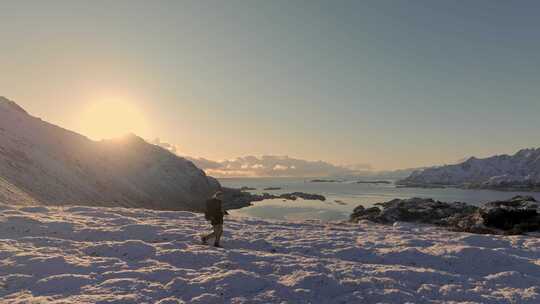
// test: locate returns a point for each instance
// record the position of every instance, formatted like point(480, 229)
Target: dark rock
point(512, 219)
point(403, 184)
point(340, 202)
point(374, 182)
point(247, 189)
point(419, 210)
point(325, 181)
point(307, 196)
point(361, 213)
point(468, 222)
point(272, 188)
point(236, 198)
point(523, 202)
point(517, 215)
point(514, 216)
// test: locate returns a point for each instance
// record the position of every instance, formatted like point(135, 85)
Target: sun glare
point(112, 118)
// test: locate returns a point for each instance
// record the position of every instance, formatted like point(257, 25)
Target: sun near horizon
point(111, 118)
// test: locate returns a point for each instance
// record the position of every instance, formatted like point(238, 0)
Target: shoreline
point(469, 187)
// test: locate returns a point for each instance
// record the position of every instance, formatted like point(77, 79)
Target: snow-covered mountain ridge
point(44, 163)
point(518, 171)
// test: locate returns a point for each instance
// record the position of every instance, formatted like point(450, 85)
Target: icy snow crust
point(117, 255)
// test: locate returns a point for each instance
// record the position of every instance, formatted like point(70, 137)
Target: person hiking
point(214, 213)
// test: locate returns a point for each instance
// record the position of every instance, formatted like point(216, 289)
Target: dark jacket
point(214, 211)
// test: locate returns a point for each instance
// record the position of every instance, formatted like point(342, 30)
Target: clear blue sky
point(391, 83)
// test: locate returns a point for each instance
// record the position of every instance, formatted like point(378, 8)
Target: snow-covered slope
point(521, 170)
point(116, 255)
point(41, 162)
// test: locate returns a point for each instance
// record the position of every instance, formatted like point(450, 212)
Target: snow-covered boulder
point(44, 163)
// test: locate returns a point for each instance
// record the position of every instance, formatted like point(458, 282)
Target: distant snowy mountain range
point(42, 163)
point(520, 171)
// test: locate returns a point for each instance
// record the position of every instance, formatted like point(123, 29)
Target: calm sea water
point(343, 197)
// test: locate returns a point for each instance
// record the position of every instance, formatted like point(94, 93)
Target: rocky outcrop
point(325, 181)
point(272, 188)
point(517, 215)
point(412, 210)
point(307, 196)
point(520, 171)
point(245, 188)
point(237, 198)
point(374, 182)
point(520, 214)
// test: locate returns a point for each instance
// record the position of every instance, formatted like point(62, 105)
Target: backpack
point(213, 209)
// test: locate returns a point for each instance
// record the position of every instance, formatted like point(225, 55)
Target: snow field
point(116, 255)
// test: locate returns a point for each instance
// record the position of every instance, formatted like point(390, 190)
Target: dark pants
point(216, 234)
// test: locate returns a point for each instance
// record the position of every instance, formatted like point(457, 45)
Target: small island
point(236, 198)
point(325, 181)
point(374, 182)
point(245, 188)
